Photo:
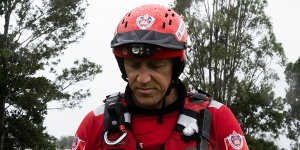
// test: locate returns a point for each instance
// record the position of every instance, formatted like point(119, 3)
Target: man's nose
point(144, 75)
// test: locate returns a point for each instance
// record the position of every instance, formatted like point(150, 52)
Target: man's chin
point(148, 103)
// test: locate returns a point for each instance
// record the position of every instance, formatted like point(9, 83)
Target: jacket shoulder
point(215, 104)
point(98, 110)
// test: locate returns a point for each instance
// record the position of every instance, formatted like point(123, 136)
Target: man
point(155, 112)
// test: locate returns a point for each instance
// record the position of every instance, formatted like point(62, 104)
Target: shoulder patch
point(99, 110)
point(215, 104)
point(235, 141)
point(78, 144)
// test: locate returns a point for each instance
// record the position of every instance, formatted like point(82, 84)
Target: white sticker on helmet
point(144, 22)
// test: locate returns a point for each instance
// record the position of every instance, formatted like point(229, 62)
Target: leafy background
point(95, 46)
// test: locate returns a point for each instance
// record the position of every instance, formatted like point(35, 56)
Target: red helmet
point(151, 31)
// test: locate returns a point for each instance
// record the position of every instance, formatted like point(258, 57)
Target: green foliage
point(231, 53)
point(34, 35)
point(65, 142)
point(292, 74)
point(257, 110)
point(260, 144)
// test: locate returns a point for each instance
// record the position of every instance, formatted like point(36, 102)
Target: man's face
point(149, 80)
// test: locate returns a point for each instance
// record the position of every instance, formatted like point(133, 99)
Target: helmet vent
point(170, 22)
point(164, 25)
point(169, 9)
point(173, 14)
point(123, 21)
point(129, 14)
point(166, 15)
point(126, 24)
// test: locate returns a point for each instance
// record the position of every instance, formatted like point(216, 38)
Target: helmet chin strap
point(164, 102)
point(124, 77)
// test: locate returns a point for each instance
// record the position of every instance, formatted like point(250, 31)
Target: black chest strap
point(194, 122)
point(116, 118)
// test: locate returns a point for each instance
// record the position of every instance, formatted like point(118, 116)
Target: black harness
point(193, 123)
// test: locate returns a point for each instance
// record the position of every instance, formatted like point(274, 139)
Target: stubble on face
point(148, 80)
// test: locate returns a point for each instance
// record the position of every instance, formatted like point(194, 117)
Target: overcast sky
point(103, 19)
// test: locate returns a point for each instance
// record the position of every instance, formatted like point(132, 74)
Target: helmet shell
point(154, 25)
point(151, 24)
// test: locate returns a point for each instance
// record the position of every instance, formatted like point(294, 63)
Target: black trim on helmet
point(147, 37)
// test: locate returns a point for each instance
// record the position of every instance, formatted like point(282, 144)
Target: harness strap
point(205, 126)
point(193, 124)
point(195, 120)
point(116, 118)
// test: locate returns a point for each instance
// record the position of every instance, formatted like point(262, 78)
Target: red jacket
point(225, 132)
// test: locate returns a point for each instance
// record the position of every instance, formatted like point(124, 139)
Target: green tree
point(33, 36)
point(292, 74)
point(260, 144)
point(231, 54)
point(65, 142)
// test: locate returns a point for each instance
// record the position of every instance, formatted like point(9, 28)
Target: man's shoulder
point(215, 104)
point(99, 110)
point(218, 108)
point(203, 96)
point(220, 111)
point(94, 115)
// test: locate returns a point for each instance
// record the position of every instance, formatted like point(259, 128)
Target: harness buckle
point(108, 142)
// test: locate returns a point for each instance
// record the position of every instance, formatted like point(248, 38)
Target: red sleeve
point(226, 131)
point(89, 133)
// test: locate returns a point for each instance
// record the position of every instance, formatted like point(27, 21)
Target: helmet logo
point(144, 22)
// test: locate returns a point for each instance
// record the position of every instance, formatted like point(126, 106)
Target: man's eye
point(134, 65)
point(156, 66)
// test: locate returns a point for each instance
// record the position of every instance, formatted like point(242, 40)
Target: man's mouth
point(145, 91)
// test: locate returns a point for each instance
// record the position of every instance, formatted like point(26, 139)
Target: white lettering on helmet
point(180, 31)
